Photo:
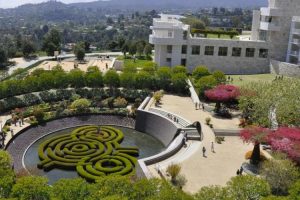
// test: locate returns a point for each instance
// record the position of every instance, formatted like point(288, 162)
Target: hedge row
point(92, 150)
point(67, 94)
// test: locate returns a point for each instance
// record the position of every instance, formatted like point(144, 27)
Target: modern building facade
point(275, 36)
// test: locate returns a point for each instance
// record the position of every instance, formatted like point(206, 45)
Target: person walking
point(203, 151)
point(212, 147)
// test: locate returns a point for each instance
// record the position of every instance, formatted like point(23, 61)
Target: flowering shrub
point(223, 93)
point(286, 140)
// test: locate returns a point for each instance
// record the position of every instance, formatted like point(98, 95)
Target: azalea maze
point(93, 151)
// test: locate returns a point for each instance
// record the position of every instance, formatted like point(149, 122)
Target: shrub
point(39, 114)
point(157, 96)
point(199, 72)
point(207, 120)
point(173, 170)
point(31, 99)
point(280, 174)
point(219, 139)
point(81, 104)
point(120, 102)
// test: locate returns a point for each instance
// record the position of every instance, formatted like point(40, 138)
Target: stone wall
point(283, 68)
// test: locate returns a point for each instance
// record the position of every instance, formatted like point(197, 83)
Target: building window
point(185, 33)
point(169, 49)
point(183, 49)
point(169, 60)
point(209, 51)
point(223, 51)
point(183, 62)
point(170, 34)
point(236, 51)
point(250, 52)
point(263, 53)
point(195, 50)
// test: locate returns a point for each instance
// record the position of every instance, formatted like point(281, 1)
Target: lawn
point(241, 80)
point(138, 63)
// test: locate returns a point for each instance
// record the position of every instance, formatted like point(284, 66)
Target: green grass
point(245, 79)
point(138, 63)
point(222, 36)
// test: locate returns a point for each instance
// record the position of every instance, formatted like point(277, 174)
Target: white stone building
point(273, 44)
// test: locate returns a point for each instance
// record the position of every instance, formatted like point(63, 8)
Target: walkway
point(215, 169)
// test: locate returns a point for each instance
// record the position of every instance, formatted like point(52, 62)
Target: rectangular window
point(169, 49)
point(263, 53)
point(209, 51)
point(183, 49)
point(183, 62)
point(236, 51)
point(185, 33)
point(170, 34)
point(169, 60)
point(223, 51)
point(195, 50)
point(250, 52)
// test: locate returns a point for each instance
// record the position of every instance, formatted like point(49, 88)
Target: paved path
point(215, 169)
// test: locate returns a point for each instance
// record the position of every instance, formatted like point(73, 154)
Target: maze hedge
point(93, 151)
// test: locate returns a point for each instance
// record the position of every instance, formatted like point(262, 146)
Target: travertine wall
point(286, 69)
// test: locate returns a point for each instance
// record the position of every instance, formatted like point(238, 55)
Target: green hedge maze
point(93, 151)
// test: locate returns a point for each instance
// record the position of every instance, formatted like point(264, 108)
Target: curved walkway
point(18, 146)
point(214, 169)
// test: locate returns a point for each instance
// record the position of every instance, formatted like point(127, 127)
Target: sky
point(15, 3)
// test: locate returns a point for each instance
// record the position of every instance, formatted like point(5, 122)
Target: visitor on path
point(12, 132)
point(203, 151)
point(238, 172)
point(203, 106)
point(212, 147)
point(20, 122)
point(241, 170)
point(196, 105)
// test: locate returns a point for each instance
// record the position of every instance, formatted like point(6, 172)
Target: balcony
point(153, 39)
point(270, 12)
point(267, 26)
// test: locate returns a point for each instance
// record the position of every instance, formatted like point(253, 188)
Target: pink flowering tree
point(255, 135)
point(286, 140)
point(222, 94)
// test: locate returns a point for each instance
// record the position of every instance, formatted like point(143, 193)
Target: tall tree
point(52, 42)
point(28, 48)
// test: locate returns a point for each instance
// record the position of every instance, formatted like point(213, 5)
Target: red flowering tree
point(222, 94)
point(255, 135)
point(286, 140)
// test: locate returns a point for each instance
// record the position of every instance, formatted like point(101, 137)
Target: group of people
point(199, 106)
point(174, 118)
point(212, 148)
point(240, 171)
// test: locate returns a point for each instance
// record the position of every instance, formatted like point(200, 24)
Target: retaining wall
point(283, 68)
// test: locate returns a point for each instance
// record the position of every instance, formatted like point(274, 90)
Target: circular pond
point(59, 154)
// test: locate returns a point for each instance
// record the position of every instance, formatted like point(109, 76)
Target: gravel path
point(22, 141)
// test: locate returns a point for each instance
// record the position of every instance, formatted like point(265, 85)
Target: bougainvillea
point(286, 140)
point(222, 94)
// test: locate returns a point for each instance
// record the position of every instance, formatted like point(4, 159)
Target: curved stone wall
point(156, 125)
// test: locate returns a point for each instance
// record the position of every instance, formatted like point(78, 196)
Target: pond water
point(148, 146)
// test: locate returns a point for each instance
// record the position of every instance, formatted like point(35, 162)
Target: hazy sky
point(15, 3)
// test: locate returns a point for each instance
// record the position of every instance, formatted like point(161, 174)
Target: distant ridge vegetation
point(153, 4)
